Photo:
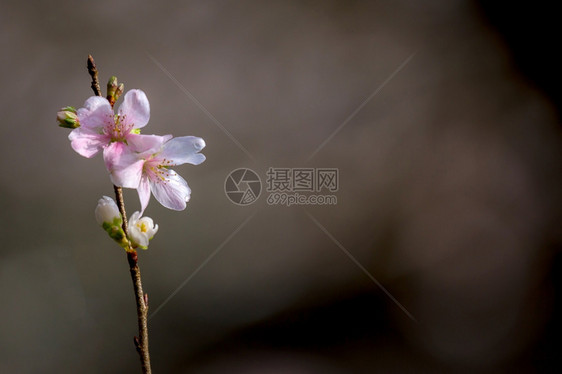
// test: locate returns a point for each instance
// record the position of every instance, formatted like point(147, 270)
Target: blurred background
point(442, 253)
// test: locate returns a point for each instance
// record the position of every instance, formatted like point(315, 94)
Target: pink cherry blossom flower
point(150, 170)
point(101, 129)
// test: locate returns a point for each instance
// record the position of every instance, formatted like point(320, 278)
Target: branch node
point(137, 344)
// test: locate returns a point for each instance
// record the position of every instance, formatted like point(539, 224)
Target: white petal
point(96, 113)
point(134, 218)
point(144, 192)
point(148, 224)
point(173, 193)
point(153, 231)
point(139, 238)
point(107, 211)
point(183, 150)
point(136, 235)
point(135, 109)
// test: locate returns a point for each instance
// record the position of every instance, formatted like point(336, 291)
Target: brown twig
point(141, 298)
point(142, 312)
point(121, 204)
point(93, 70)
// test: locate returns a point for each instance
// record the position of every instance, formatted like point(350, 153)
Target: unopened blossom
point(67, 117)
point(141, 230)
point(100, 129)
point(152, 171)
point(109, 218)
point(107, 212)
point(114, 90)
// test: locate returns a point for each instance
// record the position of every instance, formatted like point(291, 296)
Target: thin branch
point(141, 298)
point(142, 312)
point(93, 70)
point(121, 204)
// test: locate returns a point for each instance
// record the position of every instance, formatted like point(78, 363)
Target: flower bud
point(114, 90)
point(109, 218)
point(68, 118)
point(141, 230)
point(119, 91)
point(107, 211)
point(111, 88)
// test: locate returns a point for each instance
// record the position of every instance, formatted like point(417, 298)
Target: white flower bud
point(141, 230)
point(109, 218)
point(107, 212)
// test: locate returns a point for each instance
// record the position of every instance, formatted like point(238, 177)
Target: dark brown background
point(449, 188)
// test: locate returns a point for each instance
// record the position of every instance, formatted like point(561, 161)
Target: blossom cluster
point(133, 160)
point(141, 230)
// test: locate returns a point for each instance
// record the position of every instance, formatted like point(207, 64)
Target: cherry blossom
point(150, 170)
point(101, 129)
point(141, 230)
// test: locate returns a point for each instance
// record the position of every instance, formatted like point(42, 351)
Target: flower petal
point(96, 113)
point(125, 168)
point(146, 144)
point(135, 109)
point(134, 218)
point(144, 193)
point(173, 193)
point(183, 150)
point(107, 211)
point(86, 142)
point(135, 234)
point(153, 229)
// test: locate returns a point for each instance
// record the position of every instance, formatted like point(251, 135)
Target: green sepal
point(115, 232)
point(67, 118)
point(69, 124)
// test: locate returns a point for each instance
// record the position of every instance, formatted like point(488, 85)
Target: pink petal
point(125, 168)
point(96, 113)
point(86, 142)
point(184, 150)
point(146, 144)
point(144, 193)
point(173, 193)
point(135, 109)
